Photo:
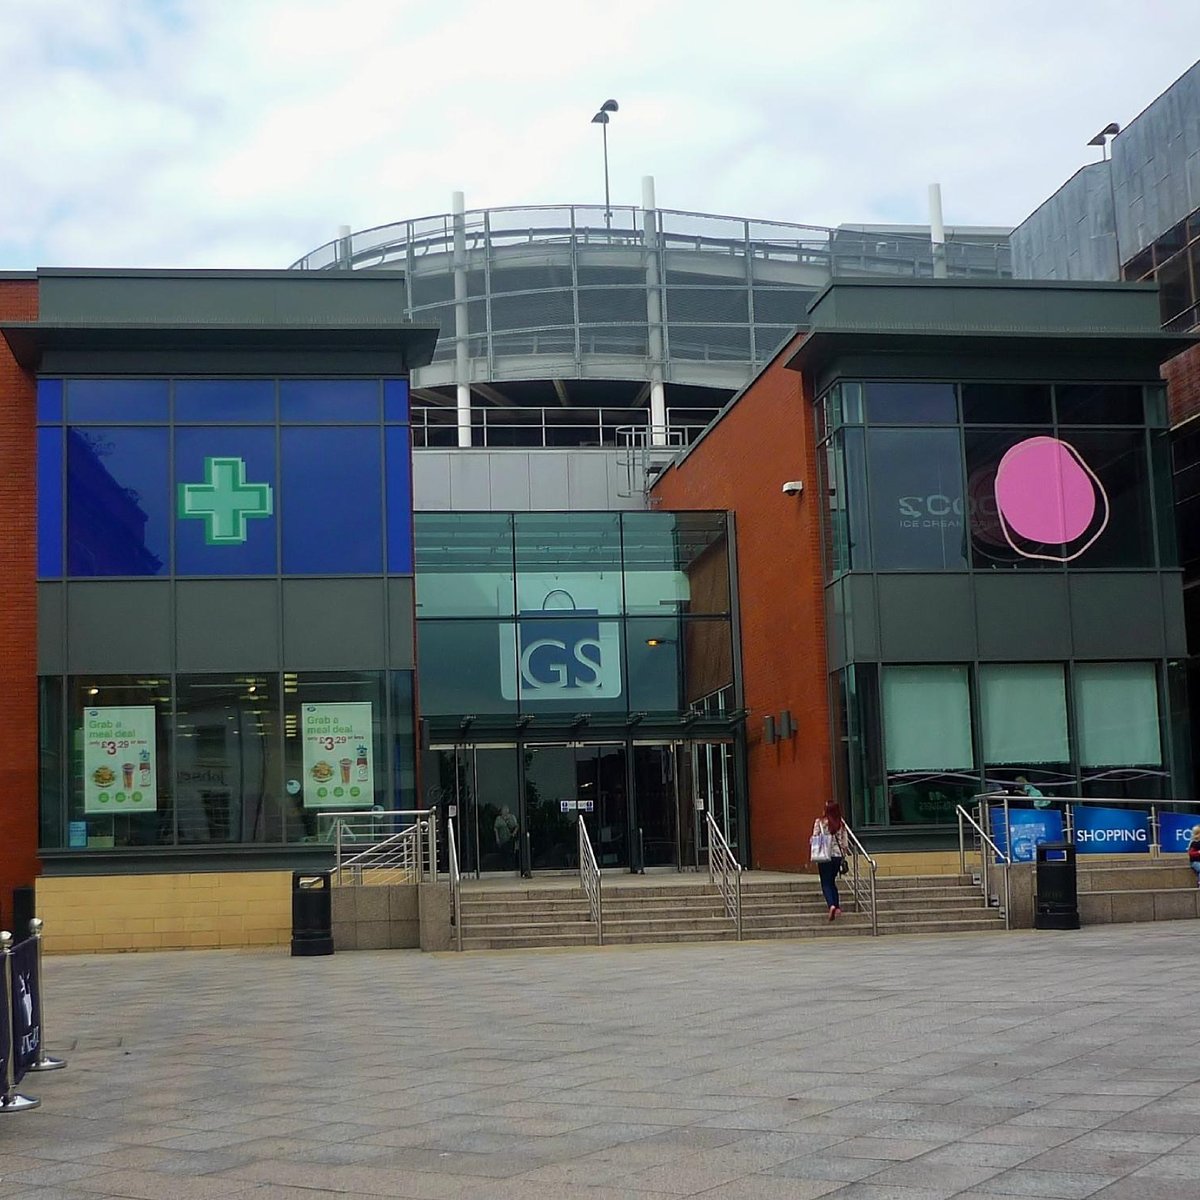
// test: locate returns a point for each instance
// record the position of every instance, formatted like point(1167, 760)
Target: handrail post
point(962, 846)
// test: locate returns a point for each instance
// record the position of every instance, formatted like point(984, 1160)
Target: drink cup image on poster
point(339, 759)
point(119, 760)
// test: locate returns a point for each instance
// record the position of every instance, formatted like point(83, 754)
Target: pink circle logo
point(1046, 494)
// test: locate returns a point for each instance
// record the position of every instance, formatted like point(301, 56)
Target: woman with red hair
point(829, 833)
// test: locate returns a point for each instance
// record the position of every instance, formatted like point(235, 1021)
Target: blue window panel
point(395, 400)
point(115, 400)
point(328, 401)
point(118, 502)
point(225, 401)
point(399, 500)
point(49, 502)
point(209, 545)
point(49, 400)
point(331, 501)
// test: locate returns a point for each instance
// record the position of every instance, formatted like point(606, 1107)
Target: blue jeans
point(1196, 867)
point(829, 873)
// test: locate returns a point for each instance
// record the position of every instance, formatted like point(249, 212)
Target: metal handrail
point(455, 884)
point(722, 863)
point(401, 851)
point(985, 844)
point(589, 879)
point(863, 893)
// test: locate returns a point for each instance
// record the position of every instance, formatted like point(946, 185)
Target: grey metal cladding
point(926, 618)
point(470, 480)
point(1156, 165)
point(1174, 627)
point(401, 624)
point(51, 625)
point(548, 481)
point(1070, 235)
point(1117, 615)
point(334, 624)
point(117, 627)
point(431, 480)
point(1022, 616)
point(509, 485)
point(227, 625)
point(835, 626)
point(587, 481)
point(862, 620)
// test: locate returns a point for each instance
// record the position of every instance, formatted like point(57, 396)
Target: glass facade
point(235, 477)
point(937, 477)
point(983, 477)
point(949, 732)
point(578, 666)
point(221, 479)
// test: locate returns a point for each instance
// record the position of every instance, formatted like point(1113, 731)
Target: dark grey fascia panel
point(1022, 616)
point(334, 624)
point(926, 618)
point(1174, 625)
point(220, 297)
point(227, 625)
point(1117, 615)
point(862, 620)
point(835, 626)
point(402, 630)
point(402, 344)
point(51, 629)
point(244, 362)
point(118, 627)
point(990, 306)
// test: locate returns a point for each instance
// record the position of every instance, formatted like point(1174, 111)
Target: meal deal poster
point(119, 768)
point(339, 767)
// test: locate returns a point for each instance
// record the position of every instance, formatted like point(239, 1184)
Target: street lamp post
point(601, 119)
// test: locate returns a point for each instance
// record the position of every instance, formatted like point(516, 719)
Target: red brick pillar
point(18, 605)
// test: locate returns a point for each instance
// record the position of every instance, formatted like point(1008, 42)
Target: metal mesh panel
point(708, 304)
point(612, 304)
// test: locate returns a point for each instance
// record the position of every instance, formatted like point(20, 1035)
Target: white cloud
point(243, 132)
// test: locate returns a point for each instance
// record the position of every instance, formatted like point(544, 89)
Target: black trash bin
point(1057, 902)
point(312, 913)
point(24, 909)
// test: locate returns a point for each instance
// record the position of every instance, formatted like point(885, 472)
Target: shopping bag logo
point(560, 652)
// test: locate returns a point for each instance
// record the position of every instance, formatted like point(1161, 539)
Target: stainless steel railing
point(725, 871)
point(863, 888)
point(589, 879)
point(369, 847)
point(455, 884)
point(987, 849)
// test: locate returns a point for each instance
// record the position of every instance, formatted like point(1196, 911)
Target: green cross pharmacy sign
point(225, 501)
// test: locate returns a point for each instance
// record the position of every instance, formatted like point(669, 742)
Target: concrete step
point(525, 941)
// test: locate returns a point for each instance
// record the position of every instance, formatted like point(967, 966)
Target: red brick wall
point(18, 606)
point(1182, 374)
point(740, 466)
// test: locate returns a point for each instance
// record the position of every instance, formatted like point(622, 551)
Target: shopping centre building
point(249, 589)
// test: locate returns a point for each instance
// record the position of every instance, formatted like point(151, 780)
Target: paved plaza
point(975, 1066)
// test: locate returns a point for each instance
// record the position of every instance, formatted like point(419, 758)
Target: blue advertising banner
point(1030, 827)
point(1175, 831)
point(26, 1031)
point(5, 1025)
point(1111, 830)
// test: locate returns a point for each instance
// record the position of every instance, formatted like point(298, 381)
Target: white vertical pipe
point(461, 325)
point(658, 393)
point(344, 249)
point(937, 231)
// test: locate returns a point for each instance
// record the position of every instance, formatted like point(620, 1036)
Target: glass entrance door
point(478, 786)
point(567, 782)
point(657, 798)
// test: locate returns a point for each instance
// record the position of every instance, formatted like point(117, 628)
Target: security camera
point(793, 487)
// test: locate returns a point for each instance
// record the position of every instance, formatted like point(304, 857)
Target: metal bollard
point(11, 1100)
point(45, 1062)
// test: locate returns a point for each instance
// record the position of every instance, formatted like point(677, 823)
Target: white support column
point(344, 250)
point(461, 324)
point(937, 231)
point(654, 324)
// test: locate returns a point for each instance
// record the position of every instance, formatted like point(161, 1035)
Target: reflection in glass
point(1119, 729)
point(571, 563)
point(225, 401)
point(928, 743)
point(1099, 403)
point(464, 565)
point(910, 402)
point(50, 502)
point(51, 768)
point(675, 562)
point(329, 401)
point(916, 484)
point(117, 400)
point(118, 508)
point(227, 768)
point(1006, 404)
point(1023, 716)
point(304, 820)
point(105, 830)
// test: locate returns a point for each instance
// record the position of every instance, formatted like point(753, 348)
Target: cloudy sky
point(241, 133)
